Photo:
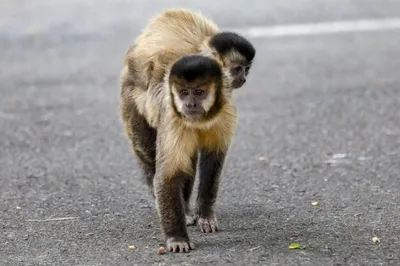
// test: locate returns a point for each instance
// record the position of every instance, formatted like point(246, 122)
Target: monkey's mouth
point(237, 83)
point(193, 114)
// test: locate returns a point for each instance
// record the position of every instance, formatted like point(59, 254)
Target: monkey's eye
point(237, 69)
point(184, 92)
point(199, 92)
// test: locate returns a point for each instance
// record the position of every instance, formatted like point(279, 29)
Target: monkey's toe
point(208, 225)
point(179, 245)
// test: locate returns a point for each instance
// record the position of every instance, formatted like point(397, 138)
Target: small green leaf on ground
point(295, 246)
point(132, 247)
point(315, 203)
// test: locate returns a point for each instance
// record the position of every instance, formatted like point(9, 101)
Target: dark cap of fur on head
point(225, 41)
point(195, 67)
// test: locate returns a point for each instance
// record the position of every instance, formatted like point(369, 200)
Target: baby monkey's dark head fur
point(236, 52)
point(196, 87)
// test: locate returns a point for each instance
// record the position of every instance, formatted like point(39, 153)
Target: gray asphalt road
point(310, 101)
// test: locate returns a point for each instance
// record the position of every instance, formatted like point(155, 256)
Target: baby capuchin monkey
point(179, 114)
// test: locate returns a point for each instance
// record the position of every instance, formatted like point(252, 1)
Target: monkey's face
point(195, 83)
point(193, 101)
point(239, 73)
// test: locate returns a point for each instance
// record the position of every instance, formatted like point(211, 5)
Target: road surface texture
point(323, 112)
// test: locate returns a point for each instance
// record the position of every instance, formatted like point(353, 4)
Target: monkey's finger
point(202, 228)
point(185, 247)
point(206, 228)
point(214, 228)
point(192, 246)
point(209, 228)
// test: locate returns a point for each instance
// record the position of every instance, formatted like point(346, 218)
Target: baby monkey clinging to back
point(177, 107)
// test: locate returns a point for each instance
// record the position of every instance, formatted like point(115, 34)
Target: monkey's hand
point(208, 224)
point(179, 244)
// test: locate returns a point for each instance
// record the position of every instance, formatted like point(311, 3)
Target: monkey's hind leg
point(211, 164)
point(148, 170)
point(143, 140)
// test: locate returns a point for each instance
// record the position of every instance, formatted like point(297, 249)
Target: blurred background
point(319, 121)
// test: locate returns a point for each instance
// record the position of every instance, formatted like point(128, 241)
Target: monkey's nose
point(191, 105)
point(243, 80)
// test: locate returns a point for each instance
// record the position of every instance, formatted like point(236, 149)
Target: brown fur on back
point(167, 37)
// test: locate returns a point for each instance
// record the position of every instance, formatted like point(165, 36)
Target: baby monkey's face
point(238, 67)
point(193, 101)
point(239, 73)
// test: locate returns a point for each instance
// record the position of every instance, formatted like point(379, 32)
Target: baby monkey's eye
point(184, 92)
point(237, 69)
point(199, 92)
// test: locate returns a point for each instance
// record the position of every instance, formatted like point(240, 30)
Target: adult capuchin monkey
point(177, 107)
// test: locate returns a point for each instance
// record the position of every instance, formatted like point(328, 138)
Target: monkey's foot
point(208, 225)
point(179, 244)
